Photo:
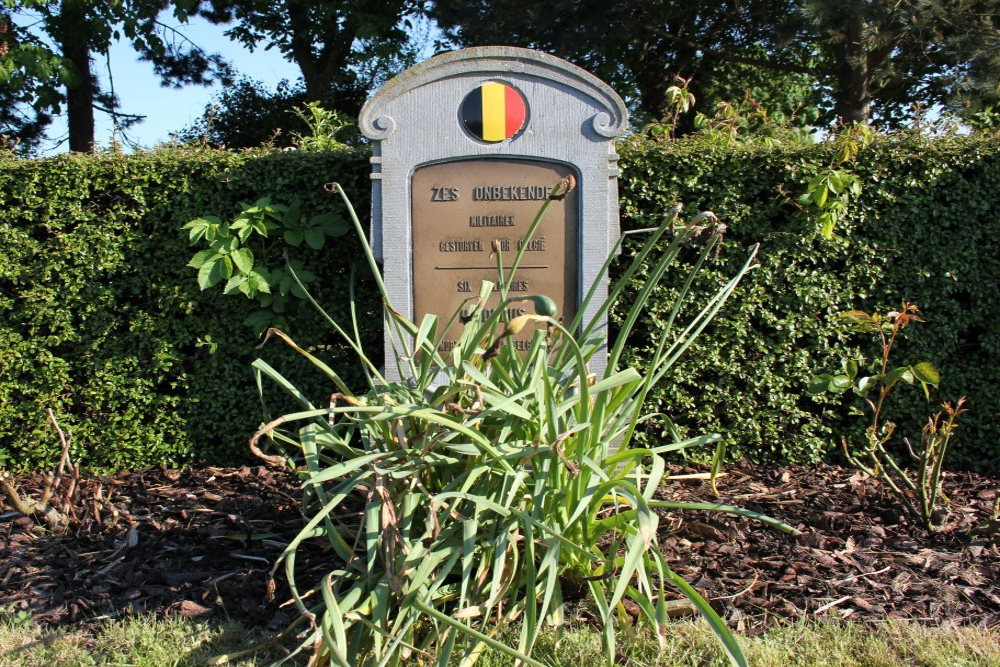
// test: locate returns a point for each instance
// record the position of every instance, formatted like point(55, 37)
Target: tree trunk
point(319, 68)
point(71, 34)
point(852, 97)
point(653, 83)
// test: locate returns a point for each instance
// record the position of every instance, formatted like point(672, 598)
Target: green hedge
point(101, 320)
point(924, 229)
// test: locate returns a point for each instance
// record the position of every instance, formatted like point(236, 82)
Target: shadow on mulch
point(202, 541)
point(191, 542)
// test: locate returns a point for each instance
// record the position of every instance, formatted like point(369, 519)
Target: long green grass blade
point(718, 626)
point(725, 509)
point(486, 639)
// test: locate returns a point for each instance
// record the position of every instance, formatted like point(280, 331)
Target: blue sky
point(168, 110)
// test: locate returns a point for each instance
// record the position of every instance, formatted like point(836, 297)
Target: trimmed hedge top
point(101, 320)
point(924, 229)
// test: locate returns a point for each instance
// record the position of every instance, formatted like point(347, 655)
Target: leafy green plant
point(918, 228)
point(269, 228)
point(985, 120)
point(921, 494)
point(99, 317)
point(323, 124)
point(489, 486)
point(748, 121)
point(830, 191)
point(679, 100)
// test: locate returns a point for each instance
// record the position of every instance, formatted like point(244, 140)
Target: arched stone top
point(375, 124)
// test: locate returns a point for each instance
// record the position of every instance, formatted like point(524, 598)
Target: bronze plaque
point(461, 208)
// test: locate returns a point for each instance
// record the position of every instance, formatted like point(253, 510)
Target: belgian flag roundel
point(493, 112)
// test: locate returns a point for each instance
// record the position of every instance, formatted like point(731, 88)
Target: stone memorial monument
point(467, 147)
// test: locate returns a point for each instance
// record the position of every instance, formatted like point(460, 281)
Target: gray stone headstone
point(464, 146)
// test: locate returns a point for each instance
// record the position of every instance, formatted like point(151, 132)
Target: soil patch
point(202, 541)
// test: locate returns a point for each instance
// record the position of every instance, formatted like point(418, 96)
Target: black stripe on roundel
point(472, 112)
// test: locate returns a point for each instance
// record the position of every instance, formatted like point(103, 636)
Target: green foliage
point(886, 60)
point(245, 114)
point(814, 60)
point(30, 75)
point(918, 496)
point(677, 100)
point(324, 126)
point(46, 54)
point(985, 120)
point(640, 48)
point(830, 191)
point(744, 122)
point(924, 226)
point(342, 48)
point(271, 229)
point(747, 121)
point(786, 96)
point(486, 485)
point(101, 321)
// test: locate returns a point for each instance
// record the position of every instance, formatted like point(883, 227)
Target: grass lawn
point(139, 640)
point(146, 641)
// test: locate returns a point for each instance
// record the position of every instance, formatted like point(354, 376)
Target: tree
point(640, 48)
point(881, 58)
point(867, 57)
point(30, 75)
point(245, 114)
point(342, 47)
point(46, 61)
point(21, 128)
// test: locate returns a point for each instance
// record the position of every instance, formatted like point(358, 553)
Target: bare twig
point(44, 509)
point(26, 508)
point(860, 576)
point(830, 605)
point(743, 592)
point(52, 482)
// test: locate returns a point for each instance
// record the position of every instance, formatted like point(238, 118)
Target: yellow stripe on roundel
point(494, 112)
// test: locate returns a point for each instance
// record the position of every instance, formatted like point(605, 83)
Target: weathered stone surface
point(426, 215)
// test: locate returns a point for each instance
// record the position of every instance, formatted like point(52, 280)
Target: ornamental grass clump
point(490, 486)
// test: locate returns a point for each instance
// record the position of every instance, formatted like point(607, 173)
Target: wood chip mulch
point(192, 542)
point(202, 541)
point(857, 556)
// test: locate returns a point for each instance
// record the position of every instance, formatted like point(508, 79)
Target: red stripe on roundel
point(514, 111)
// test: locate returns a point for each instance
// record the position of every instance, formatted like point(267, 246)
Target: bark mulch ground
point(202, 541)
point(857, 556)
